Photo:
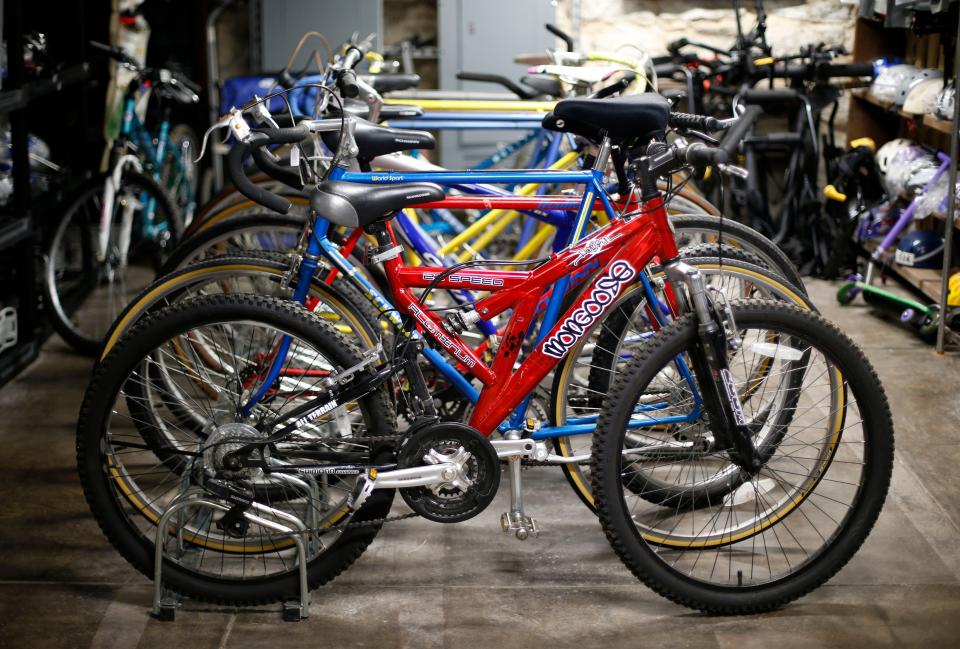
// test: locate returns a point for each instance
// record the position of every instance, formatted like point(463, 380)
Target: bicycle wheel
point(341, 305)
point(692, 229)
point(585, 377)
point(216, 350)
point(791, 524)
point(262, 232)
point(84, 293)
point(235, 204)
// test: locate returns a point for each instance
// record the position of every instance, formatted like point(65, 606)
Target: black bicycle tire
point(756, 242)
point(106, 382)
point(874, 408)
point(80, 342)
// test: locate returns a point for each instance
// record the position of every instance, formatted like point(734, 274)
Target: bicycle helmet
point(923, 96)
point(887, 152)
point(943, 107)
point(907, 167)
point(891, 79)
point(920, 249)
point(912, 80)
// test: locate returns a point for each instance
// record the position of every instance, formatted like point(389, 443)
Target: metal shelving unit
point(18, 228)
point(883, 121)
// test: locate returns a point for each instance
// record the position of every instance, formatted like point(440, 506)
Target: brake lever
point(261, 113)
point(709, 139)
point(223, 122)
point(733, 170)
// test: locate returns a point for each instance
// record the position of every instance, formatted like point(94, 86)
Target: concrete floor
point(468, 585)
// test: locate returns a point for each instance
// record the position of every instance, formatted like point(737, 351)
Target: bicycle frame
point(613, 267)
point(132, 129)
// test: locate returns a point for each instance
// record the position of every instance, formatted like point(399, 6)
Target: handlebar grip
point(676, 45)
point(687, 120)
point(348, 84)
point(562, 35)
point(532, 59)
point(763, 95)
point(260, 139)
point(736, 133)
point(614, 88)
point(496, 78)
point(850, 70)
point(701, 155)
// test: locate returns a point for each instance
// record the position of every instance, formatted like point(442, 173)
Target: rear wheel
point(691, 229)
point(215, 351)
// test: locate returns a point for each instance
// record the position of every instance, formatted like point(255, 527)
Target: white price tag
point(295, 156)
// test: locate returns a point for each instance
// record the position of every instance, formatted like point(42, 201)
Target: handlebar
point(736, 133)
point(355, 54)
point(704, 122)
point(266, 163)
point(562, 35)
point(496, 78)
point(822, 70)
point(259, 139)
point(533, 59)
point(117, 54)
point(617, 86)
point(701, 155)
point(852, 70)
point(677, 45)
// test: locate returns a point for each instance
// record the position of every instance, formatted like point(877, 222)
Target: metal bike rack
point(166, 602)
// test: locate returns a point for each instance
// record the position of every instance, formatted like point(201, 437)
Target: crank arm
point(428, 475)
point(532, 450)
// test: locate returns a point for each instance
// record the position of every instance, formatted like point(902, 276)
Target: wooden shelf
point(925, 281)
point(864, 95)
point(928, 280)
point(942, 125)
point(929, 121)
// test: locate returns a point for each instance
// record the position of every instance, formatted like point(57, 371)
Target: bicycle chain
point(373, 522)
point(541, 463)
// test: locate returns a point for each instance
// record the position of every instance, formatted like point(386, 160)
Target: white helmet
point(888, 83)
point(887, 152)
point(944, 104)
point(914, 79)
point(923, 96)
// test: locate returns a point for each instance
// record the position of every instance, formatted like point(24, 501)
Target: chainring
point(478, 478)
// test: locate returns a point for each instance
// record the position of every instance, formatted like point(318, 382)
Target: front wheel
point(787, 527)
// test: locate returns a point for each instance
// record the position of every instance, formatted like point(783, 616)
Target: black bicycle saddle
point(358, 205)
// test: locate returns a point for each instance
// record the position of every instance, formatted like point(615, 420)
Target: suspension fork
point(716, 333)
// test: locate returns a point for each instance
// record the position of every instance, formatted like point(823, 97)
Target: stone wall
point(651, 24)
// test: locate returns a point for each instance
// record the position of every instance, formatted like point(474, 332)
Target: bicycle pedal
point(521, 525)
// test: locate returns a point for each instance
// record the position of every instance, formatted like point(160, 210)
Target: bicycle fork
point(130, 204)
point(717, 332)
